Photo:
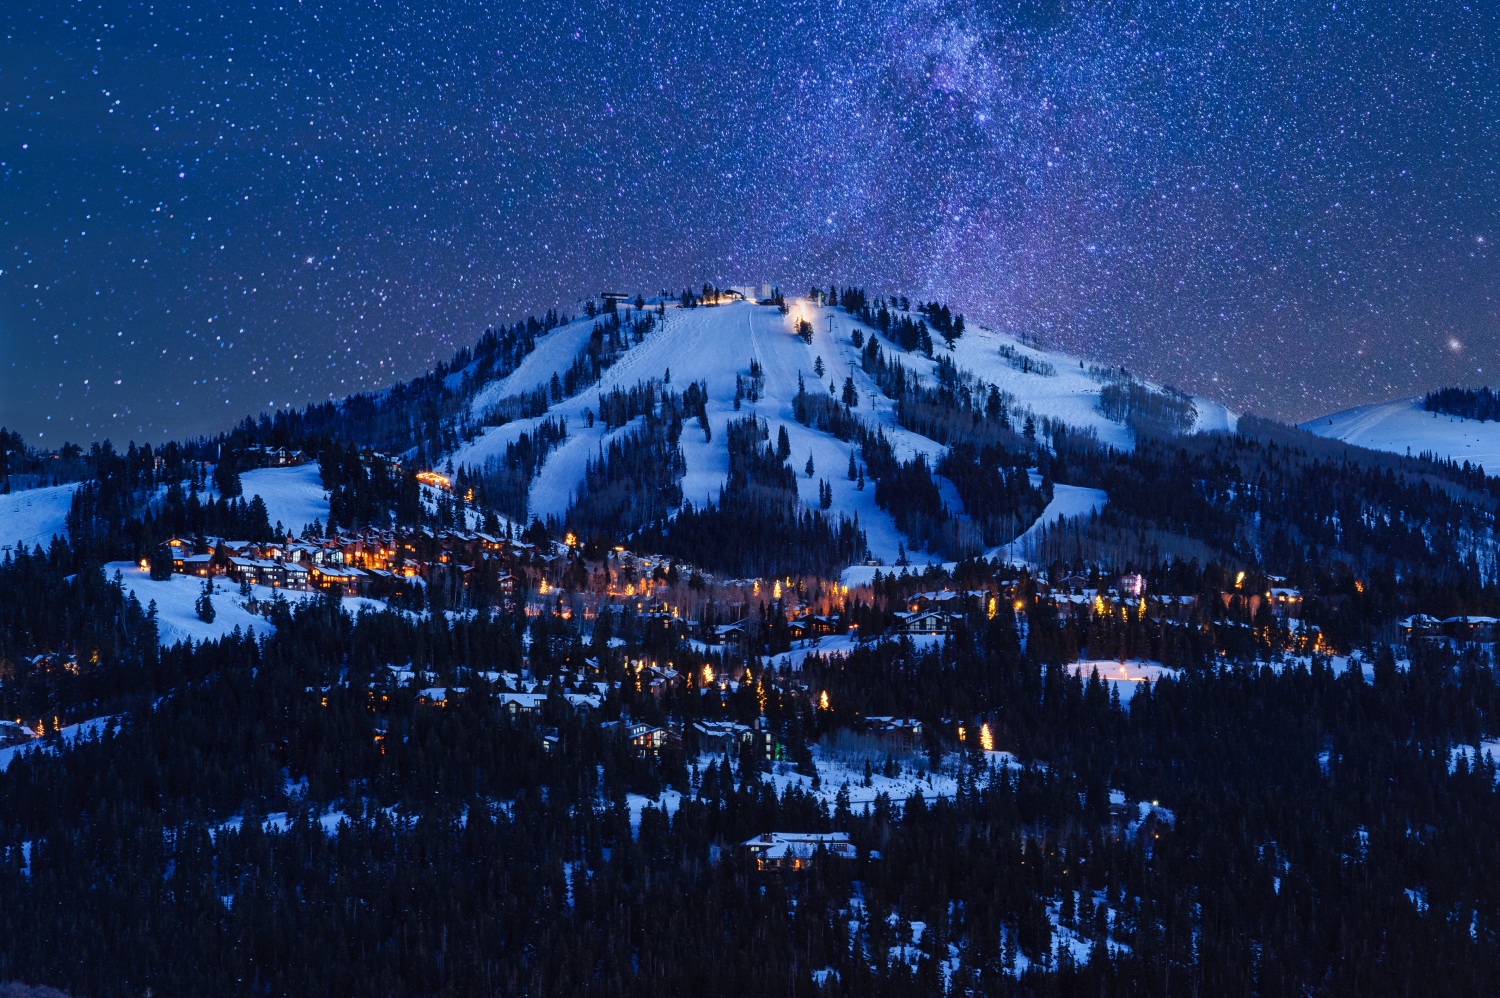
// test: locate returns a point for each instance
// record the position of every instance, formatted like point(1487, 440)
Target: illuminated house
point(786, 852)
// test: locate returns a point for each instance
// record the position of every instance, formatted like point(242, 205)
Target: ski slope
point(1069, 502)
point(1404, 427)
point(554, 351)
point(294, 497)
point(715, 344)
point(34, 516)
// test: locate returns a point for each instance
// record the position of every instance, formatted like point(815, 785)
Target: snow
point(1489, 747)
point(176, 599)
point(711, 345)
point(33, 516)
point(830, 646)
point(714, 344)
point(293, 496)
point(555, 352)
point(1125, 676)
point(1404, 427)
point(1068, 502)
point(1069, 393)
point(837, 769)
point(66, 736)
point(669, 801)
point(279, 822)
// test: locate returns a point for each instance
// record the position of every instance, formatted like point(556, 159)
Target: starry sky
point(210, 209)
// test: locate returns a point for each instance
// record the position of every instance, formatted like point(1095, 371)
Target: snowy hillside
point(715, 345)
point(1404, 427)
point(294, 497)
point(32, 517)
point(176, 601)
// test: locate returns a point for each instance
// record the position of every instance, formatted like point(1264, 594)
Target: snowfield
point(294, 497)
point(1404, 427)
point(34, 516)
point(176, 599)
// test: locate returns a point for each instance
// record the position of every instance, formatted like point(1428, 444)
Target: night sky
point(208, 209)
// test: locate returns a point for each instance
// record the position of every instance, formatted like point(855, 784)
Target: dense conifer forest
point(540, 778)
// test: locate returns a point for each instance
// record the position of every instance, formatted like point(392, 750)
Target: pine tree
point(204, 606)
point(851, 394)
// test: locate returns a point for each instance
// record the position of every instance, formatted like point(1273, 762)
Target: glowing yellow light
point(570, 541)
point(543, 587)
point(1239, 581)
point(989, 608)
point(776, 590)
point(962, 734)
point(823, 700)
point(708, 675)
point(986, 740)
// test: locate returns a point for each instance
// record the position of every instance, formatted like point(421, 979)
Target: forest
point(452, 797)
point(277, 816)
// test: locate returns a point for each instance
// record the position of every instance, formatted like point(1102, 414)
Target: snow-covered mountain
point(716, 345)
point(1404, 427)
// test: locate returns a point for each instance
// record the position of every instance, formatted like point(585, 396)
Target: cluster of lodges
point(1459, 630)
point(362, 563)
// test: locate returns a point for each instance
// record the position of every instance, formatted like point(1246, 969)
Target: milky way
point(211, 209)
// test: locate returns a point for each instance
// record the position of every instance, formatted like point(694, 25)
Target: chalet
point(734, 637)
point(338, 579)
point(939, 600)
point(256, 571)
point(1420, 626)
point(439, 696)
point(657, 680)
point(898, 733)
point(14, 733)
point(1285, 600)
point(929, 622)
point(648, 740)
point(378, 462)
point(179, 550)
point(787, 852)
point(722, 737)
point(516, 704)
point(1470, 629)
point(197, 564)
